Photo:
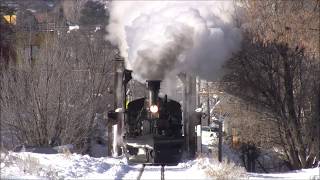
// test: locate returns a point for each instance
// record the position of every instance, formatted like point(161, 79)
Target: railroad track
point(142, 170)
point(162, 172)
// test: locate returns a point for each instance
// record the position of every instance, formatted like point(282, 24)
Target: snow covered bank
point(309, 174)
point(27, 165)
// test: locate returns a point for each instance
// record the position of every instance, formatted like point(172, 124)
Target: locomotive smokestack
point(153, 87)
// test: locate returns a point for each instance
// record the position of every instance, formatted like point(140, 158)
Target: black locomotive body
point(153, 129)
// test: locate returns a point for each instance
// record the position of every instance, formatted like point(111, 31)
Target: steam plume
point(158, 38)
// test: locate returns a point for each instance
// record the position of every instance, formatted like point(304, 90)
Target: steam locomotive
point(153, 128)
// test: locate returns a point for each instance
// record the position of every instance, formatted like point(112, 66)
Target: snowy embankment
point(26, 165)
point(308, 174)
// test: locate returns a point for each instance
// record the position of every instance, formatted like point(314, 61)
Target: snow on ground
point(310, 174)
point(27, 165)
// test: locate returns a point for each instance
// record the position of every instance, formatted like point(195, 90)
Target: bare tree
point(286, 85)
point(58, 96)
point(72, 9)
point(278, 70)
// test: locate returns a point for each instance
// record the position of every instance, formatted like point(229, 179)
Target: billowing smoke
point(161, 38)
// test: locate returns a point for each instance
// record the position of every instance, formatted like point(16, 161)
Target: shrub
point(223, 170)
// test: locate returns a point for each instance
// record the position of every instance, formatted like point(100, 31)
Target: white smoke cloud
point(158, 38)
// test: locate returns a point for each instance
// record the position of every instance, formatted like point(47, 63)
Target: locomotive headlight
point(154, 108)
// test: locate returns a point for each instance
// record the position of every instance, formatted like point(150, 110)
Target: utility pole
point(198, 82)
point(208, 103)
point(199, 116)
point(219, 123)
point(220, 141)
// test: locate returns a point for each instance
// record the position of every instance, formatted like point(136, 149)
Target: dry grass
point(29, 164)
point(6, 159)
point(3, 158)
point(52, 173)
point(221, 171)
point(66, 152)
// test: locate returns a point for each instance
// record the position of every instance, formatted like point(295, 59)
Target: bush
point(223, 170)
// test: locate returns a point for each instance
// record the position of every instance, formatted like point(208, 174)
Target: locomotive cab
point(153, 129)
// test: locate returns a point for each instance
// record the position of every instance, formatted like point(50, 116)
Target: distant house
point(11, 19)
point(25, 25)
point(7, 50)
